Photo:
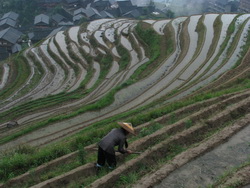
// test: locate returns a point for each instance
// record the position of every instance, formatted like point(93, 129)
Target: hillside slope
point(198, 50)
point(90, 76)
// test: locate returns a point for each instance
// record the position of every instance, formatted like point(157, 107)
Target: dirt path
point(207, 168)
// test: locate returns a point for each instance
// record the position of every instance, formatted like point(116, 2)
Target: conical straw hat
point(127, 126)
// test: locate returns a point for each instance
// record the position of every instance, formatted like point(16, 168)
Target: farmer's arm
point(121, 148)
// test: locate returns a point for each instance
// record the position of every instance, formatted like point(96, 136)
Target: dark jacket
point(116, 137)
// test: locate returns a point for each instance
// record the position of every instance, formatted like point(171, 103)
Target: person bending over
point(106, 147)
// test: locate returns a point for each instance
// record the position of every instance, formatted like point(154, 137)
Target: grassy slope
point(18, 161)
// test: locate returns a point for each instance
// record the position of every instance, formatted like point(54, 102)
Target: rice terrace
point(184, 84)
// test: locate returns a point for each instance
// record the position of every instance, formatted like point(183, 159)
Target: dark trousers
point(103, 156)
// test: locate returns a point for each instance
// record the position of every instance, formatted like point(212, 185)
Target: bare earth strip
point(162, 120)
point(243, 175)
point(151, 155)
point(128, 102)
point(202, 164)
point(204, 170)
point(227, 99)
point(90, 117)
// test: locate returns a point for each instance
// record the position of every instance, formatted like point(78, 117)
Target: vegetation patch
point(201, 30)
point(22, 74)
point(92, 134)
point(158, 48)
point(217, 31)
point(125, 57)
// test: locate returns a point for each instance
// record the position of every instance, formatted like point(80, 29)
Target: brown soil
point(163, 120)
point(185, 36)
point(241, 177)
point(189, 136)
point(202, 112)
point(185, 157)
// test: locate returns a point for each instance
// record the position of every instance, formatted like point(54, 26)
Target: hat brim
point(127, 126)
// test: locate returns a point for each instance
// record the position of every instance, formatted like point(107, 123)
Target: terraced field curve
point(113, 69)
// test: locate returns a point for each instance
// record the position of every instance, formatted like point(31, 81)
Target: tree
point(169, 14)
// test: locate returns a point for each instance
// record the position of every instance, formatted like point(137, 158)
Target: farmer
point(116, 137)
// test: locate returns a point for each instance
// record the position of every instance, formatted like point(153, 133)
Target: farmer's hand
point(129, 151)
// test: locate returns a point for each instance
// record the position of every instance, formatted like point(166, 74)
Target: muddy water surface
point(114, 69)
point(15, 97)
point(59, 72)
point(240, 20)
point(99, 37)
point(160, 25)
point(208, 22)
point(60, 39)
point(47, 77)
point(115, 53)
point(226, 20)
point(121, 27)
point(73, 33)
point(110, 34)
point(71, 77)
point(96, 66)
point(80, 79)
point(125, 42)
point(85, 37)
point(149, 21)
point(5, 75)
point(94, 25)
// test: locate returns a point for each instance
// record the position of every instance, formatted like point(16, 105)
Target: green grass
point(21, 73)
point(169, 153)
point(37, 76)
point(142, 169)
point(86, 136)
point(150, 40)
point(36, 62)
point(93, 133)
point(217, 31)
point(63, 97)
point(136, 46)
point(201, 30)
point(228, 174)
point(20, 161)
point(156, 47)
point(125, 57)
point(151, 129)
